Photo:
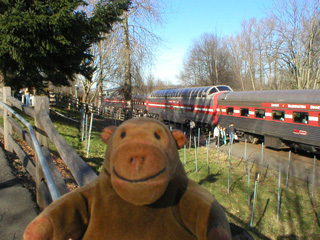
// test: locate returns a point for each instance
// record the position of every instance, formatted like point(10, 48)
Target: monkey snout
point(138, 161)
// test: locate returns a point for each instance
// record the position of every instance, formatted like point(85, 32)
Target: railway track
point(301, 167)
point(301, 163)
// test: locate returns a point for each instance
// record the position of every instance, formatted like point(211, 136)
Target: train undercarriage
point(277, 143)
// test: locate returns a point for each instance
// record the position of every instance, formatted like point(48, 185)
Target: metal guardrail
point(54, 192)
point(73, 120)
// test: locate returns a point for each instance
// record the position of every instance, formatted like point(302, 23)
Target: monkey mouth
point(139, 180)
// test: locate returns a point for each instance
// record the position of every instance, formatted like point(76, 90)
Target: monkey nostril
point(157, 136)
point(137, 158)
point(123, 134)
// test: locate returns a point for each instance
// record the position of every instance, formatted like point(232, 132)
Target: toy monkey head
point(141, 158)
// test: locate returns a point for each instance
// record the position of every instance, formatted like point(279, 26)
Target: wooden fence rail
point(45, 132)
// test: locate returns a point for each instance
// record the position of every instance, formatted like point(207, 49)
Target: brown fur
point(142, 192)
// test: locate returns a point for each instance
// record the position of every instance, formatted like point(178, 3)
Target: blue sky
point(187, 20)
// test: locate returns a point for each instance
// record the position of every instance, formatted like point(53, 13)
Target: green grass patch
point(72, 133)
point(298, 217)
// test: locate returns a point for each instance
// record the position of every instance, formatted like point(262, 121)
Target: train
point(187, 104)
point(279, 118)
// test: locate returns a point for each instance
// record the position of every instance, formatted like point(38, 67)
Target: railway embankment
point(258, 200)
point(300, 167)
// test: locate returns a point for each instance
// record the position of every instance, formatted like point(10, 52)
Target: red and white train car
point(198, 104)
point(282, 117)
point(278, 118)
point(115, 102)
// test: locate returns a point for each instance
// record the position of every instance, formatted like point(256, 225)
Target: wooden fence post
point(6, 125)
point(41, 103)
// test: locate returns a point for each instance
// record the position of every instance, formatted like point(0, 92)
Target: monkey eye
point(123, 134)
point(157, 136)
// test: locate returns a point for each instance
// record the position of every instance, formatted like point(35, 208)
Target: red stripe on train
point(300, 132)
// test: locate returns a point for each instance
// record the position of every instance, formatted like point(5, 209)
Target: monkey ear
point(106, 133)
point(179, 137)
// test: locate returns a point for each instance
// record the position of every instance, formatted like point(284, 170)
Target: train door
point(215, 108)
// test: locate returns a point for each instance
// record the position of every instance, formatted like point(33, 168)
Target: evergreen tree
point(49, 39)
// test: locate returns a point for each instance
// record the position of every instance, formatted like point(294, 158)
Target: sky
point(187, 20)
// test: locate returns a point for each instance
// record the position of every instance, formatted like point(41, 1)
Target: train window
point(301, 117)
point(187, 92)
point(203, 91)
point(212, 90)
point(278, 115)
point(199, 90)
point(244, 112)
point(195, 92)
point(260, 113)
point(230, 111)
point(223, 88)
point(200, 93)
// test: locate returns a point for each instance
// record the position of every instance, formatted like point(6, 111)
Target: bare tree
point(237, 61)
point(103, 67)
point(135, 43)
point(120, 57)
point(271, 47)
point(297, 25)
point(254, 55)
point(207, 62)
point(281, 51)
point(250, 49)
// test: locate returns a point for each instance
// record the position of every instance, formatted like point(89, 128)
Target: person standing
point(217, 135)
point(27, 96)
point(231, 132)
point(223, 136)
point(192, 126)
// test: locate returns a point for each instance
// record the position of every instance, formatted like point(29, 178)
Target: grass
point(71, 133)
point(299, 217)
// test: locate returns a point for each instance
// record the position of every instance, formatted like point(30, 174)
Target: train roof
point(190, 92)
point(272, 96)
point(143, 96)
